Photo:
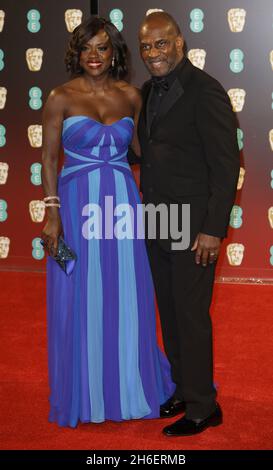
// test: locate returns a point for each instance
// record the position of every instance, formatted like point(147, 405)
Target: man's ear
point(179, 42)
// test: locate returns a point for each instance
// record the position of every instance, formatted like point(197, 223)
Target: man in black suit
point(187, 132)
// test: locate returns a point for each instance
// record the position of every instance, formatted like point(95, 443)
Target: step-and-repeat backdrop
point(231, 40)
point(33, 40)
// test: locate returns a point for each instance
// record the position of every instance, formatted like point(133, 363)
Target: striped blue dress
point(104, 362)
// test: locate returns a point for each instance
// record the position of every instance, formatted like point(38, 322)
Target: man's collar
point(166, 81)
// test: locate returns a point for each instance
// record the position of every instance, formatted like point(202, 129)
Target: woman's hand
point(50, 234)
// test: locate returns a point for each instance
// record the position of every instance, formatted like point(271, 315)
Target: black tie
point(160, 83)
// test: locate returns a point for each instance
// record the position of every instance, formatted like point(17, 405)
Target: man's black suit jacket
point(191, 153)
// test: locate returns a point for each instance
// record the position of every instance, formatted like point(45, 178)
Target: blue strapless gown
point(104, 362)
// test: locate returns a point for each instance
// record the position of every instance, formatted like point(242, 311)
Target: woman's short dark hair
point(87, 30)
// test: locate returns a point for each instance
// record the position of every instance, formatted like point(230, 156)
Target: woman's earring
point(113, 62)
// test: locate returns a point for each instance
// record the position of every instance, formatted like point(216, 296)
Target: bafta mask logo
point(271, 138)
point(236, 220)
point(37, 211)
point(3, 97)
point(236, 19)
point(72, 18)
point(152, 10)
point(235, 253)
point(270, 216)
point(241, 178)
point(3, 210)
point(237, 98)
point(116, 17)
point(4, 247)
point(35, 170)
point(34, 57)
point(2, 20)
point(4, 169)
point(197, 57)
point(271, 58)
point(35, 135)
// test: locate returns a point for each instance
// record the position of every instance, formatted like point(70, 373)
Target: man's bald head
point(161, 18)
point(161, 43)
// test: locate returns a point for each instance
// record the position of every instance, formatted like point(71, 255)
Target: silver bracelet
point(51, 197)
point(49, 204)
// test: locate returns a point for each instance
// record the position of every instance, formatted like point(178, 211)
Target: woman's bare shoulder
point(59, 96)
point(65, 88)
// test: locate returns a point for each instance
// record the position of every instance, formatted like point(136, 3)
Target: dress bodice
point(89, 144)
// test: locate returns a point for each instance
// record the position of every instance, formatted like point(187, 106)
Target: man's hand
point(207, 248)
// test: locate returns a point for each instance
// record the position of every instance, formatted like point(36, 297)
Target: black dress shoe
point(171, 408)
point(188, 427)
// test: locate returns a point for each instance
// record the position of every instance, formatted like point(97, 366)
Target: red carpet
point(243, 331)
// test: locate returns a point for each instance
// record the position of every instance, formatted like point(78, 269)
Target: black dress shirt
point(159, 88)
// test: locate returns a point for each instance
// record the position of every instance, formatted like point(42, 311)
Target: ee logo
point(33, 17)
point(236, 60)
point(38, 251)
point(2, 135)
point(116, 16)
point(240, 137)
point(35, 170)
point(35, 94)
point(271, 255)
point(197, 24)
point(2, 64)
point(236, 220)
point(3, 210)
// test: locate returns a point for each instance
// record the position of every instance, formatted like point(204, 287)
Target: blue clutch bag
point(65, 257)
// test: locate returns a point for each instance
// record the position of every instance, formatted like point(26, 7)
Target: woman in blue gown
point(104, 362)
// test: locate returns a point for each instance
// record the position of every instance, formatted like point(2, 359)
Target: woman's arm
point(52, 128)
point(137, 100)
point(134, 152)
